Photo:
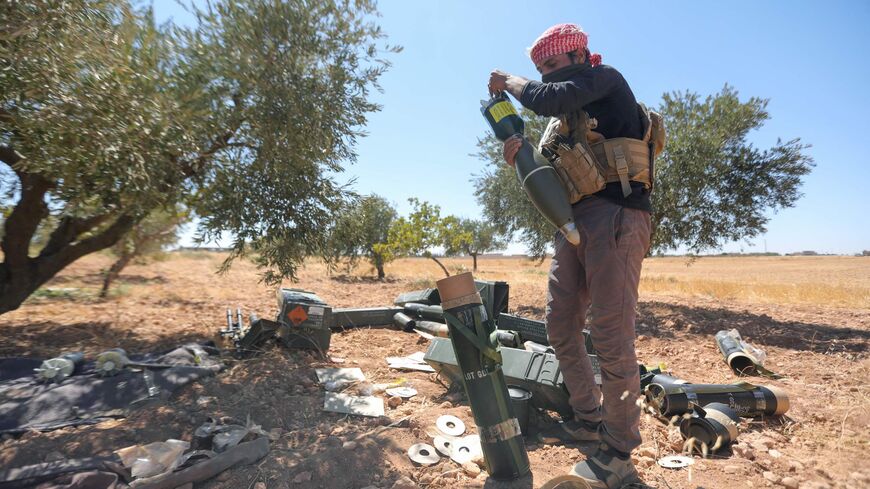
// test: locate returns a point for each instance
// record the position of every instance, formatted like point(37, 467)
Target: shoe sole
point(568, 481)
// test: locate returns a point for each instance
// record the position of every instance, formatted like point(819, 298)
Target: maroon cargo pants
point(600, 275)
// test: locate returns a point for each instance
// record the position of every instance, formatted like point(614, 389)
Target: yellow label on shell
point(501, 110)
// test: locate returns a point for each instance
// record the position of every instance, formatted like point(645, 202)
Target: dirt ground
point(820, 345)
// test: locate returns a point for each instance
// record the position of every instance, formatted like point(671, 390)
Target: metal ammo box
point(304, 318)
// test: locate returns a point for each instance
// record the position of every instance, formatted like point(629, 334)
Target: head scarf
point(559, 39)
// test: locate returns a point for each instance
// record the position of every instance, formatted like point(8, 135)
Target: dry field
point(810, 314)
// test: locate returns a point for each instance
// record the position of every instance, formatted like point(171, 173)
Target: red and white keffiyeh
point(561, 38)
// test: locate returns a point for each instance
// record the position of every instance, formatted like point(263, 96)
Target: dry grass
point(838, 281)
point(830, 281)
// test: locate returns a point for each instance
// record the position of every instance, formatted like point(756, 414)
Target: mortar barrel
point(479, 361)
point(423, 311)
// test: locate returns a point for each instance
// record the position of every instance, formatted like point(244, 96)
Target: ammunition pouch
point(585, 168)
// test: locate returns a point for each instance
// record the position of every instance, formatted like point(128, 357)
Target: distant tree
point(711, 186)
point(473, 238)
point(245, 118)
point(147, 238)
point(419, 233)
point(363, 232)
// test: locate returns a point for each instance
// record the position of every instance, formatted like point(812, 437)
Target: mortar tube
point(430, 313)
point(745, 399)
point(504, 451)
point(433, 328)
point(404, 322)
point(735, 356)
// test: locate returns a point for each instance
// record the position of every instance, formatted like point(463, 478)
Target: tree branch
point(28, 212)
point(49, 265)
point(68, 230)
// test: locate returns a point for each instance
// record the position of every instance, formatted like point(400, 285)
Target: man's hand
point(499, 81)
point(511, 148)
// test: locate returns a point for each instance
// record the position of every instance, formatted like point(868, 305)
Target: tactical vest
point(586, 162)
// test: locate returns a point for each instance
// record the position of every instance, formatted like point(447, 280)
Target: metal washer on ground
point(675, 462)
point(403, 392)
point(444, 444)
point(423, 454)
point(450, 425)
point(466, 449)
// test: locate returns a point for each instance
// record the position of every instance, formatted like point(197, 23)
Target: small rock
point(789, 482)
point(774, 453)
point(644, 462)
point(298, 390)
point(641, 337)
point(54, 456)
point(471, 469)
point(394, 402)
point(731, 469)
point(224, 476)
point(815, 485)
point(743, 452)
point(770, 476)
point(275, 433)
point(259, 485)
point(302, 477)
point(349, 445)
point(404, 482)
point(427, 479)
point(795, 466)
point(647, 452)
point(445, 405)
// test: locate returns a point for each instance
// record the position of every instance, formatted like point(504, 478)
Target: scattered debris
point(411, 362)
point(361, 405)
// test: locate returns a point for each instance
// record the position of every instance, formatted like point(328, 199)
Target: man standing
point(601, 274)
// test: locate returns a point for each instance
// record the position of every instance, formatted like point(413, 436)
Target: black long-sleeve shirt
point(604, 94)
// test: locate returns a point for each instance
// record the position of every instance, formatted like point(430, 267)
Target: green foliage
point(244, 118)
point(422, 230)
point(471, 237)
point(152, 234)
point(418, 233)
point(712, 186)
point(362, 231)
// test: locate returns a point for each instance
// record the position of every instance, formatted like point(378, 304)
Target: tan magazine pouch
point(585, 168)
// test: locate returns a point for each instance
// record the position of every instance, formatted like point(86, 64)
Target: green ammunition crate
point(535, 372)
point(304, 318)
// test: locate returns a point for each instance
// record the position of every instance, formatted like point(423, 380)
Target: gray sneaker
point(571, 431)
point(605, 469)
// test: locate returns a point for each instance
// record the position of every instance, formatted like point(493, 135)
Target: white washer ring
point(450, 425)
point(423, 454)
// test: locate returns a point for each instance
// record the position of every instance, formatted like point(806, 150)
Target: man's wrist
point(515, 85)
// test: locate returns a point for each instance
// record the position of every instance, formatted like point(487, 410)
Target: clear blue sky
point(804, 56)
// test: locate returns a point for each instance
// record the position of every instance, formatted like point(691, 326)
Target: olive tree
point(245, 118)
point(712, 185)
